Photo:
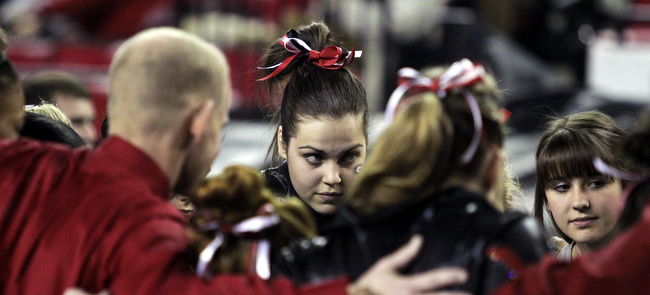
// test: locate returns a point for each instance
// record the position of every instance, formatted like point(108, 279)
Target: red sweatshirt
point(99, 220)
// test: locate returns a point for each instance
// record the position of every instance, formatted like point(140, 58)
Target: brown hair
point(236, 195)
point(636, 147)
point(423, 146)
point(44, 85)
point(568, 148)
point(309, 91)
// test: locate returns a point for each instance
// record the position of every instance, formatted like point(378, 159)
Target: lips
point(329, 197)
point(582, 222)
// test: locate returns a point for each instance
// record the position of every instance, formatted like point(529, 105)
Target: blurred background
point(551, 57)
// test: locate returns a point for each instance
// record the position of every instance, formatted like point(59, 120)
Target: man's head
point(69, 94)
point(168, 87)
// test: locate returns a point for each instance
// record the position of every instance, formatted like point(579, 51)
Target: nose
point(580, 200)
point(189, 207)
point(332, 175)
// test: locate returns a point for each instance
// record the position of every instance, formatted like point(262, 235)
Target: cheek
point(612, 202)
point(347, 176)
point(302, 174)
point(554, 203)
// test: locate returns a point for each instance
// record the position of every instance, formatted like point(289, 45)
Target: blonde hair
point(49, 110)
point(235, 195)
point(422, 147)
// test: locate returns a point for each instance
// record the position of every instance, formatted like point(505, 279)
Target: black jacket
point(458, 226)
point(279, 181)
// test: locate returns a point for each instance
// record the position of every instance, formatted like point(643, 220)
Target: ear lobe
point(282, 147)
point(201, 120)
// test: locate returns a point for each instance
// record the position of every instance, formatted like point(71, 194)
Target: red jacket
point(99, 220)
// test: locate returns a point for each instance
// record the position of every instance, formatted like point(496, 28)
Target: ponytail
point(402, 163)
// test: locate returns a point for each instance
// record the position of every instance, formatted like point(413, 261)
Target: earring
point(357, 169)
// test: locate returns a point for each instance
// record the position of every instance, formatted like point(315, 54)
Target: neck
point(163, 149)
point(584, 248)
point(473, 185)
point(579, 249)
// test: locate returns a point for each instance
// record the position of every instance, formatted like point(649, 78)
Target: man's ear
point(201, 120)
point(282, 147)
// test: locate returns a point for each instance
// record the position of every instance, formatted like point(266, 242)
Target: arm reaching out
point(384, 277)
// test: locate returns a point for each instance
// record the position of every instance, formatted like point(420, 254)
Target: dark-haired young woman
point(321, 138)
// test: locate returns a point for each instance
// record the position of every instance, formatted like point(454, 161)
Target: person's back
point(82, 219)
point(434, 172)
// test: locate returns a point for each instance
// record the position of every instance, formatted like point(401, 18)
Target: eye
point(561, 187)
point(348, 158)
point(314, 159)
point(596, 183)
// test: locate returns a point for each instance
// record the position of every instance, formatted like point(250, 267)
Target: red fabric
point(98, 220)
point(113, 19)
point(623, 267)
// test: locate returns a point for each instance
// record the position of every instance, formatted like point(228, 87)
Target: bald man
point(99, 219)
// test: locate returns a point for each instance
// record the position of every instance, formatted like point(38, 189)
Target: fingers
point(404, 255)
point(437, 278)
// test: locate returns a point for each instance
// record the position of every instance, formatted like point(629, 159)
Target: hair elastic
point(608, 170)
point(331, 57)
point(251, 225)
point(460, 74)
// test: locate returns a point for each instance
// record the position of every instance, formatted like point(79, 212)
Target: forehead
point(329, 132)
point(569, 161)
point(69, 103)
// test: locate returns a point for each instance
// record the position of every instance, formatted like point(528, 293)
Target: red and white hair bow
point(250, 226)
point(331, 57)
point(459, 76)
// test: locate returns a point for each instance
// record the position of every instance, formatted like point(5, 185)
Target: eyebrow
point(323, 152)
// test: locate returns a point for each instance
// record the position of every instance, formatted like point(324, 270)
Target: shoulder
point(28, 161)
point(278, 180)
point(24, 150)
point(524, 235)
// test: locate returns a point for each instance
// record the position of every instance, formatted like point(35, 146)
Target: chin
point(327, 209)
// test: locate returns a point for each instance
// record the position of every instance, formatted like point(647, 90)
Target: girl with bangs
point(583, 204)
